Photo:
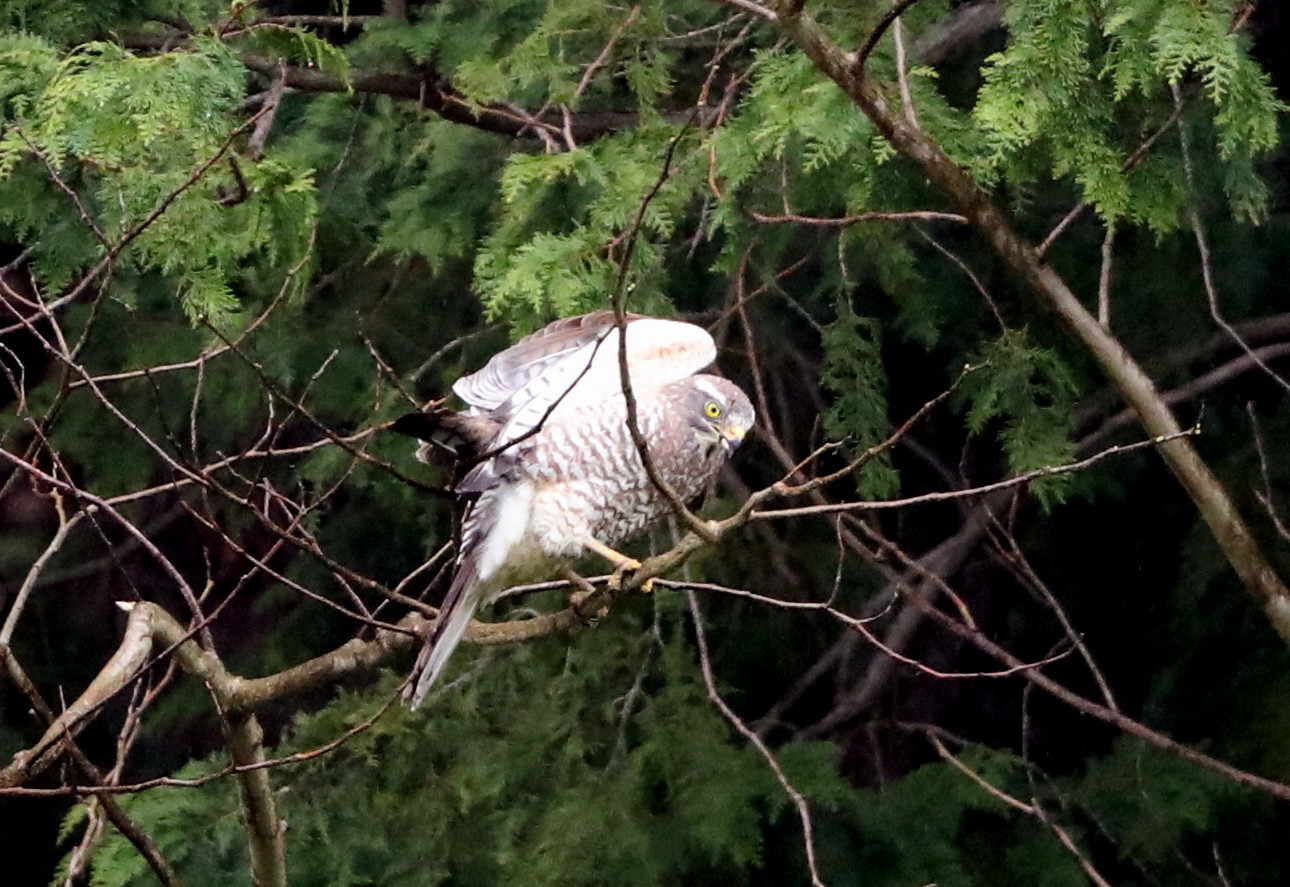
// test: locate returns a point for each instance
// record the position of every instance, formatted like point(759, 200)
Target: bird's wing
point(576, 364)
point(509, 371)
point(574, 361)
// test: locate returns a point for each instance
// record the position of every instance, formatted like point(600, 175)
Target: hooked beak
point(732, 436)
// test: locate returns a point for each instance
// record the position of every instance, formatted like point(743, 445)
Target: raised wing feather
point(573, 365)
point(509, 371)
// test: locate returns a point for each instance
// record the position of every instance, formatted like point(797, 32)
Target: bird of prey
point(553, 470)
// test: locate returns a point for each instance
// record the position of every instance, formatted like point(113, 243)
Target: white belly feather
point(512, 513)
point(551, 506)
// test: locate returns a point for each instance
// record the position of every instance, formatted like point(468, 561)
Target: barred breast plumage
point(571, 479)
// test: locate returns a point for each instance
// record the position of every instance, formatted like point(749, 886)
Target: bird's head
point(719, 412)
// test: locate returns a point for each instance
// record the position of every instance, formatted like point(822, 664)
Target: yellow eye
point(711, 410)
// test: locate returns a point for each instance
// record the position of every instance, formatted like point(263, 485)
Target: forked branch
point(1207, 493)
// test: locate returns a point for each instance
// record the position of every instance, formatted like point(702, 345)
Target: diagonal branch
point(1102, 712)
point(710, 682)
point(142, 841)
point(1207, 493)
point(619, 301)
point(889, 17)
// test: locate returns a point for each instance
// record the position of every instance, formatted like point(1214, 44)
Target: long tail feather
point(458, 607)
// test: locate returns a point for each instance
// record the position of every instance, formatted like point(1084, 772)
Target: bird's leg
point(617, 558)
point(622, 564)
point(576, 598)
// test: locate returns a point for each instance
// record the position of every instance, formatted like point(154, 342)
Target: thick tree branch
point(141, 840)
point(436, 94)
point(151, 626)
point(241, 729)
point(968, 24)
point(266, 833)
point(1207, 493)
point(126, 663)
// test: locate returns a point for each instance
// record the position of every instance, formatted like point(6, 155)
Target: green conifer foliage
point(237, 239)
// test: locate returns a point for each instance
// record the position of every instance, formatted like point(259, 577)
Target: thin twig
point(862, 56)
point(1202, 247)
point(1139, 153)
point(1033, 809)
point(65, 525)
point(709, 680)
point(600, 60)
point(1016, 480)
point(665, 489)
point(1101, 712)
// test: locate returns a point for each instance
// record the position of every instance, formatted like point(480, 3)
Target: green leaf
point(853, 371)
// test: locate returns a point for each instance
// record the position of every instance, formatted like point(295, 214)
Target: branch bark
point(266, 833)
point(238, 698)
point(142, 841)
point(436, 94)
point(968, 24)
point(1051, 292)
point(130, 658)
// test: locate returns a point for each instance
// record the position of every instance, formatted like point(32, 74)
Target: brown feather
point(450, 437)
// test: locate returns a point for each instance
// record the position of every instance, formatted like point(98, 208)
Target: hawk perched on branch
point(556, 473)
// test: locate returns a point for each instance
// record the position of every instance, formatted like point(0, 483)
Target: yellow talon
point(616, 579)
point(617, 558)
point(622, 564)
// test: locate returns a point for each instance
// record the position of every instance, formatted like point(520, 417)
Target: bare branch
point(709, 681)
point(1208, 495)
point(269, 107)
point(599, 61)
point(1032, 809)
point(124, 666)
point(1138, 155)
point(845, 221)
point(761, 12)
point(265, 832)
point(695, 524)
point(1014, 481)
point(436, 94)
point(968, 23)
point(336, 21)
point(1104, 278)
point(142, 842)
point(888, 17)
point(1093, 709)
point(65, 526)
point(108, 260)
point(1202, 247)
